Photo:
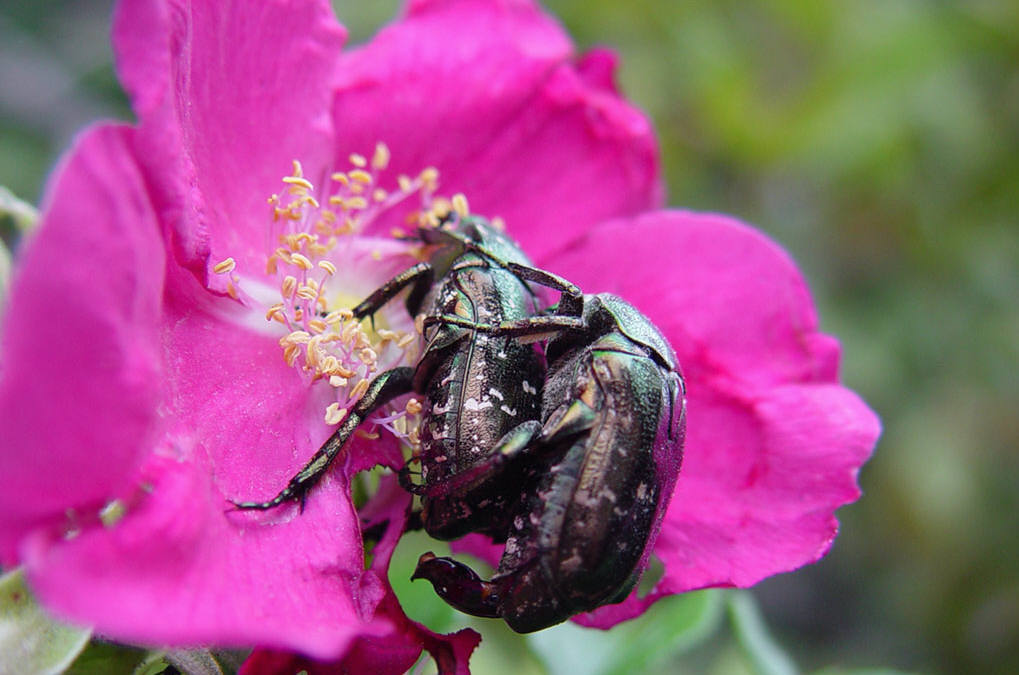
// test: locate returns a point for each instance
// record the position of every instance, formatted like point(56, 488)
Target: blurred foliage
point(877, 141)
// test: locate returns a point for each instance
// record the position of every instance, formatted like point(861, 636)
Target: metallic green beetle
point(601, 464)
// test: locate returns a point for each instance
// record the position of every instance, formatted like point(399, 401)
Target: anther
point(361, 176)
point(298, 181)
point(380, 160)
point(335, 414)
point(359, 389)
point(225, 266)
point(301, 261)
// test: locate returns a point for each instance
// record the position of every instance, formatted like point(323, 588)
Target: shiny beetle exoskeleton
point(470, 381)
point(603, 462)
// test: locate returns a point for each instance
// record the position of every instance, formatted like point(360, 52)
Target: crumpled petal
point(227, 95)
point(396, 651)
point(773, 442)
point(488, 93)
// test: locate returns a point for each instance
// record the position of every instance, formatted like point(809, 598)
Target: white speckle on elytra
point(526, 386)
point(509, 411)
point(474, 405)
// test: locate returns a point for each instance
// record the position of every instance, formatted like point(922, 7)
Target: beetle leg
point(458, 585)
point(571, 302)
point(533, 327)
point(568, 421)
point(516, 443)
point(384, 388)
point(421, 276)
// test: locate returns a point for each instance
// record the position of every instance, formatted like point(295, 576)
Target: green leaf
point(766, 656)
point(861, 671)
point(670, 626)
point(31, 641)
point(108, 658)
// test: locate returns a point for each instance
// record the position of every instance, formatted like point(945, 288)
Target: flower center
point(317, 272)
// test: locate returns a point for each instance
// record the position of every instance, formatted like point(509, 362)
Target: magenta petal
point(487, 93)
point(178, 571)
point(122, 383)
point(392, 652)
point(757, 496)
point(180, 568)
point(773, 442)
point(722, 293)
point(80, 377)
point(228, 95)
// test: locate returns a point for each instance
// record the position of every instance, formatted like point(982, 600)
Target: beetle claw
point(459, 585)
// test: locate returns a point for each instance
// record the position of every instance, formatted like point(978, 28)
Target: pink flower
point(142, 385)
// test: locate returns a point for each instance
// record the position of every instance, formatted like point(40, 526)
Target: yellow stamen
point(297, 337)
point(430, 178)
point(359, 389)
point(225, 266)
point(380, 160)
point(301, 261)
point(361, 176)
point(335, 414)
point(358, 160)
point(459, 203)
point(298, 181)
point(339, 315)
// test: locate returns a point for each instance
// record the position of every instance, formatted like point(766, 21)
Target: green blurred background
point(877, 141)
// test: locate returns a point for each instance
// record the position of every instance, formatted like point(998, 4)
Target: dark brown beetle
point(601, 468)
point(476, 386)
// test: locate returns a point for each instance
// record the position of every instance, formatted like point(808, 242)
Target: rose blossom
point(157, 361)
